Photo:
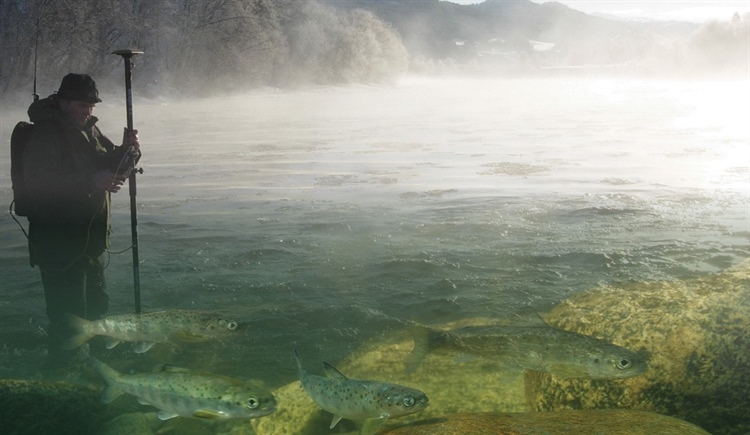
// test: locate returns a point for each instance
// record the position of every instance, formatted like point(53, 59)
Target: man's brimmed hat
point(79, 87)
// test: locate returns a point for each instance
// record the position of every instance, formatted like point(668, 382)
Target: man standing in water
point(70, 168)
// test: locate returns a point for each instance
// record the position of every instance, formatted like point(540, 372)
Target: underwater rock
point(474, 385)
point(135, 423)
point(147, 423)
point(40, 407)
point(696, 335)
point(53, 408)
point(453, 384)
point(603, 422)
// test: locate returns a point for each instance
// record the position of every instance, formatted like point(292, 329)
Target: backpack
point(22, 204)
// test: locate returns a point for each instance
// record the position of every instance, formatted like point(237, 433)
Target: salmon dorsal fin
point(529, 317)
point(332, 373)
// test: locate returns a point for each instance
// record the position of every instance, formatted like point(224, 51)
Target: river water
point(326, 217)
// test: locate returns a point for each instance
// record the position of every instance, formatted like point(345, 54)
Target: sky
point(697, 11)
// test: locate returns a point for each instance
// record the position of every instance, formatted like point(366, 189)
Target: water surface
point(327, 217)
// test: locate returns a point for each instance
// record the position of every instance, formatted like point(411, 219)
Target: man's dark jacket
point(70, 220)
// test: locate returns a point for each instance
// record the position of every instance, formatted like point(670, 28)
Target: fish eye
point(623, 363)
point(252, 403)
point(408, 401)
point(231, 325)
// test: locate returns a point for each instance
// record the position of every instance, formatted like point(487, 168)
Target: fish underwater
point(180, 392)
point(371, 402)
point(533, 345)
point(146, 329)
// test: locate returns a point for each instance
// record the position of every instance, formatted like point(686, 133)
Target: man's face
point(79, 111)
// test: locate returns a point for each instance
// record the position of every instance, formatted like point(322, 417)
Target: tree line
point(204, 46)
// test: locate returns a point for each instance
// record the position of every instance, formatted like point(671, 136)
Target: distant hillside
point(231, 45)
point(440, 30)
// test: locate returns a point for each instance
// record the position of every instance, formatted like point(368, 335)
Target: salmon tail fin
point(78, 331)
point(110, 376)
point(299, 362)
point(422, 336)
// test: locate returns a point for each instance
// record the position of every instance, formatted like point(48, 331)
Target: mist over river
point(327, 217)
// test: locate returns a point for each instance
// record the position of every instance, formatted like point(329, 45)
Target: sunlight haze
point(692, 11)
point(556, 197)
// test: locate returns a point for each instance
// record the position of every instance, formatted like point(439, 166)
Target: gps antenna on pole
point(126, 56)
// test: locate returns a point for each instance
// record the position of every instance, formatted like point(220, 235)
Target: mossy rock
point(454, 386)
point(470, 386)
point(39, 407)
point(62, 408)
point(134, 423)
point(696, 335)
point(602, 422)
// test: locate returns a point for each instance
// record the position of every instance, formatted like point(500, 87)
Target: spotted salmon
point(533, 345)
point(146, 329)
point(369, 402)
point(180, 392)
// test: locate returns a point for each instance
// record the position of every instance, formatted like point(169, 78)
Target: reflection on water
point(328, 217)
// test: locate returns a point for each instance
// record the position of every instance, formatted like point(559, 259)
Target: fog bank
point(199, 48)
